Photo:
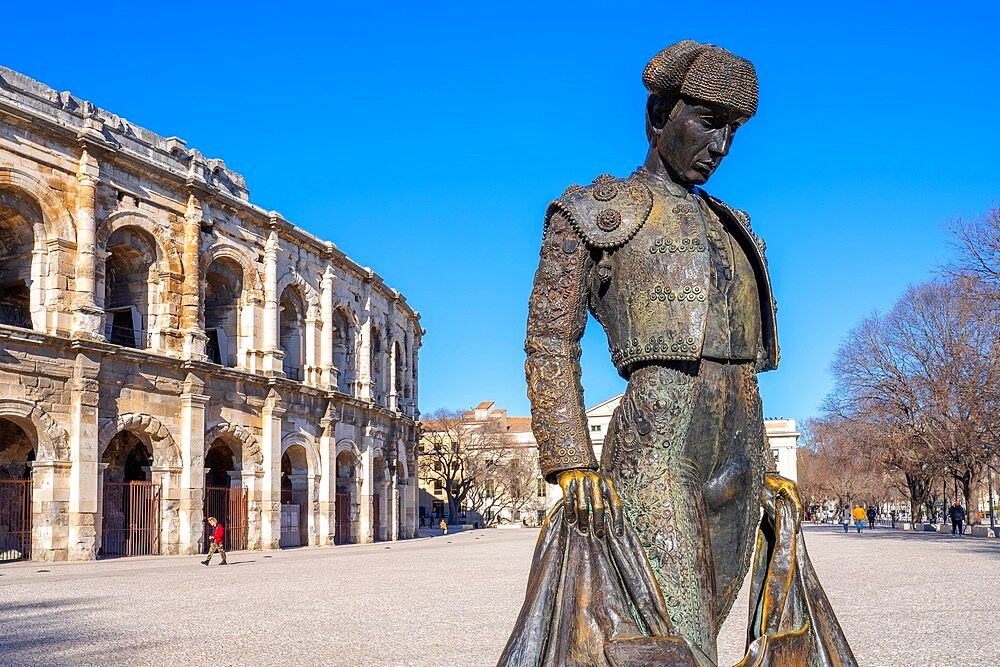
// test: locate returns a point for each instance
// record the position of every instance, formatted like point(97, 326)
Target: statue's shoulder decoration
point(741, 217)
point(607, 213)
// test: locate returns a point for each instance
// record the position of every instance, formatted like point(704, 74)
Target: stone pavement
point(903, 599)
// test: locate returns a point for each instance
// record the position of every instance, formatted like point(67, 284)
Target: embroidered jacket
point(636, 253)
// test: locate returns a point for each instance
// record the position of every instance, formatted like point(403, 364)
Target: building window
point(595, 428)
point(488, 491)
point(437, 485)
point(543, 488)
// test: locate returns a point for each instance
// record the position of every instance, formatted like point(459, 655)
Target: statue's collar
point(662, 182)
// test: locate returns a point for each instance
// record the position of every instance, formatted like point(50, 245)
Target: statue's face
point(695, 138)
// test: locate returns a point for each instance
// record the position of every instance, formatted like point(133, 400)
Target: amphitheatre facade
point(169, 350)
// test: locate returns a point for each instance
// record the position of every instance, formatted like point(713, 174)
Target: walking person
point(845, 518)
point(859, 517)
point(957, 514)
point(216, 535)
point(872, 514)
point(443, 526)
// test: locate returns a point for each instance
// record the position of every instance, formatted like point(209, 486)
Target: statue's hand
point(776, 486)
point(586, 491)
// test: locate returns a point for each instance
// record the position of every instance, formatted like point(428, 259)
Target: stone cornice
point(108, 137)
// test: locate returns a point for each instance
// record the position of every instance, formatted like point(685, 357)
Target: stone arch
point(293, 277)
point(344, 330)
point(253, 284)
point(348, 445)
point(401, 459)
point(165, 450)
point(309, 445)
point(49, 438)
point(248, 442)
point(57, 218)
point(120, 219)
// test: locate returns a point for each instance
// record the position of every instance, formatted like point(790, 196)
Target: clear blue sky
point(425, 139)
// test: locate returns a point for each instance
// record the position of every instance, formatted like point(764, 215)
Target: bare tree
point(466, 456)
point(978, 244)
point(922, 381)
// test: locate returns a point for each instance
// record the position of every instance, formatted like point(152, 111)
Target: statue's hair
point(703, 72)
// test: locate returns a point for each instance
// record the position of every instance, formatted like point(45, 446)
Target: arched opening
point(295, 505)
point(347, 494)
point(127, 278)
point(17, 451)
point(343, 351)
point(225, 495)
point(399, 367)
point(378, 382)
point(130, 507)
point(291, 331)
point(223, 291)
point(19, 218)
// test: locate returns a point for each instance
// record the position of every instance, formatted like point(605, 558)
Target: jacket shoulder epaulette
point(607, 213)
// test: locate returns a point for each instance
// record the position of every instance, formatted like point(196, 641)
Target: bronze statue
point(643, 560)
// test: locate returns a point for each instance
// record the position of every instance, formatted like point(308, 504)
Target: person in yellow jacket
point(859, 517)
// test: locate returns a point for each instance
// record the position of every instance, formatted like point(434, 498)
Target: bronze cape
point(594, 601)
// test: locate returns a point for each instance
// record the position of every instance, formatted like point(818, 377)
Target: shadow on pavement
point(60, 632)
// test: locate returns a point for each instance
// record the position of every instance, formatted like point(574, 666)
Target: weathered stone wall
point(120, 239)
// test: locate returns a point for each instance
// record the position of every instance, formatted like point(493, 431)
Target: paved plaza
point(903, 599)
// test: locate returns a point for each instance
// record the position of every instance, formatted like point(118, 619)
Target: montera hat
point(704, 72)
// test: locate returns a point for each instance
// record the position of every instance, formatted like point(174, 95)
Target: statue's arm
point(557, 315)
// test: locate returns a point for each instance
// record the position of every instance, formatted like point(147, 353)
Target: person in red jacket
point(216, 537)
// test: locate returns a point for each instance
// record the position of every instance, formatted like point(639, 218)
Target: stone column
point(252, 481)
point(328, 378)
point(392, 400)
point(247, 346)
point(272, 356)
point(191, 506)
point(328, 479)
point(166, 478)
point(367, 481)
point(270, 446)
point(364, 361)
point(394, 509)
point(311, 375)
point(192, 316)
point(87, 316)
point(49, 505)
point(83, 452)
point(101, 468)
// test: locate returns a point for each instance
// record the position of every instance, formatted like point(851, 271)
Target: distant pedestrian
point(215, 537)
point(859, 517)
point(872, 514)
point(443, 526)
point(845, 518)
point(893, 515)
point(957, 514)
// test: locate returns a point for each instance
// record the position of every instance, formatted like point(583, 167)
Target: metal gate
point(229, 506)
point(376, 518)
point(130, 525)
point(15, 519)
point(343, 534)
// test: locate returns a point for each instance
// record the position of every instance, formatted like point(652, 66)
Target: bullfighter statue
point(642, 561)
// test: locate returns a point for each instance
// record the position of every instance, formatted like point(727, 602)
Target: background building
point(782, 438)
point(168, 350)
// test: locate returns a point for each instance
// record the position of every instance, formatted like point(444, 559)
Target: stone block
point(982, 531)
point(930, 527)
